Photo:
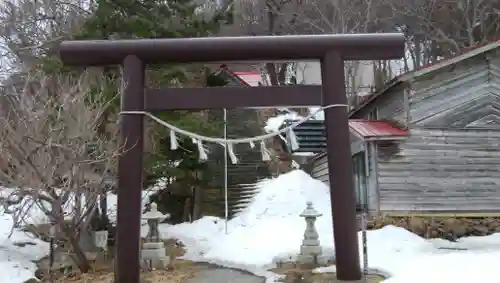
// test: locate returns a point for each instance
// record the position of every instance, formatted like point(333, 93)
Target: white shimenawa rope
point(199, 139)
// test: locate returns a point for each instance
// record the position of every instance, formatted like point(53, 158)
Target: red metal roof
point(250, 78)
point(369, 129)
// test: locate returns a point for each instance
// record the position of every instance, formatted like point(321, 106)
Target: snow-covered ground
point(19, 250)
point(271, 228)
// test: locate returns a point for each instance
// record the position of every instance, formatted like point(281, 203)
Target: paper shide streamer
point(229, 144)
point(264, 152)
point(292, 138)
point(173, 141)
point(232, 155)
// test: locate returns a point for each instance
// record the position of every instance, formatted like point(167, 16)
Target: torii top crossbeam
point(212, 49)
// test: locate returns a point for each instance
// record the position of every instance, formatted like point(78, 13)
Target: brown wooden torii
point(331, 50)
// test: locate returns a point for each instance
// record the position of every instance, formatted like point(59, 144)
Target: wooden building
point(430, 140)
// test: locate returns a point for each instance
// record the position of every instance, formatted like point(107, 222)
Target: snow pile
point(197, 236)
point(33, 214)
point(452, 267)
point(113, 201)
point(273, 124)
point(30, 211)
point(318, 116)
point(268, 227)
point(271, 226)
point(18, 252)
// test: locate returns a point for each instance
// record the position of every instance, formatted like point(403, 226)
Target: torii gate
point(331, 50)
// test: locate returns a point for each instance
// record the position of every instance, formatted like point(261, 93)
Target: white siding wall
point(309, 73)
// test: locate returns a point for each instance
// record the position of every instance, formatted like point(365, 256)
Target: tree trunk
point(78, 208)
point(103, 203)
point(186, 214)
point(79, 256)
point(70, 233)
point(197, 203)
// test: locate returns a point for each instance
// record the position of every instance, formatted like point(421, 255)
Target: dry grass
point(179, 271)
point(292, 273)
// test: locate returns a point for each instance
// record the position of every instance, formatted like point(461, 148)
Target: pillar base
point(351, 281)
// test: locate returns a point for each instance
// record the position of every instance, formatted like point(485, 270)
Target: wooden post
point(342, 192)
point(130, 173)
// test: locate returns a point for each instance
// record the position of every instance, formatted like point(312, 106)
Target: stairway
point(238, 196)
point(248, 170)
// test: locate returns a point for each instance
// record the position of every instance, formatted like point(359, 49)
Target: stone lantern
point(310, 250)
point(153, 254)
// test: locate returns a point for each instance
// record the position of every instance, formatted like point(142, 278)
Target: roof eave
point(386, 138)
point(415, 74)
point(394, 82)
point(232, 75)
point(451, 61)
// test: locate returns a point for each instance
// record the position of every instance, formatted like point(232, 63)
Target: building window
point(373, 114)
point(360, 180)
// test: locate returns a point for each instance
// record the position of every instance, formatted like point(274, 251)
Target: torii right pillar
point(340, 168)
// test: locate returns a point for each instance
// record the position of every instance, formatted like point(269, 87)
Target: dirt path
point(224, 275)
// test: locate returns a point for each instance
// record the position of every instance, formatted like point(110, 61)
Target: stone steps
point(238, 199)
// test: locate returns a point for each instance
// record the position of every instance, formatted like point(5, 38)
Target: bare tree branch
point(54, 151)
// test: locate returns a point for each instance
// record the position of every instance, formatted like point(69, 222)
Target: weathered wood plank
point(450, 162)
point(443, 132)
point(418, 160)
point(453, 170)
point(320, 169)
point(432, 109)
point(438, 153)
point(320, 165)
point(441, 179)
point(321, 173)
point(416, 175)
point(445, 81)
point(461, 96)
point(391, 106)
point(388, 106)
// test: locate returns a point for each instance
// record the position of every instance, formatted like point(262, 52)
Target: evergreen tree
point(125, 19)
point(122, 19)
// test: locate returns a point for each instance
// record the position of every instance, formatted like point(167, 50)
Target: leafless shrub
point(56, 153)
